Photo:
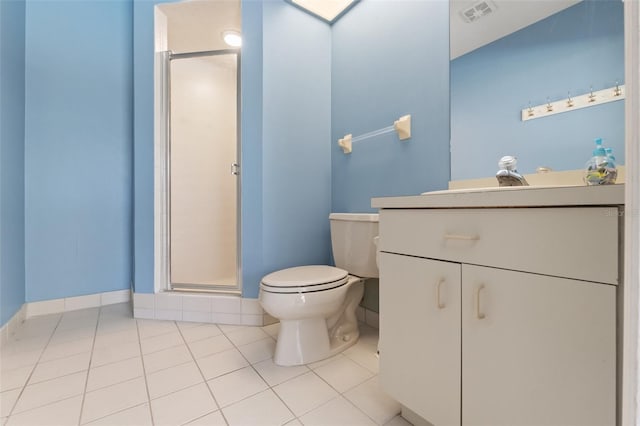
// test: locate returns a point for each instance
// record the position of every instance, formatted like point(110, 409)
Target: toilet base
point(306, 341)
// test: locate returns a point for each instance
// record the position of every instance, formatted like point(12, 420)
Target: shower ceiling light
point(232, 37)
point(329, 10)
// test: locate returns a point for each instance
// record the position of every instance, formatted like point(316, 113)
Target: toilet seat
point(305, 279)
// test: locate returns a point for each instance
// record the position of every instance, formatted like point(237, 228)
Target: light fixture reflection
point(232, 37)
point(328, 10)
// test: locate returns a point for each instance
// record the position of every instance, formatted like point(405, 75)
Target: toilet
point(316, 304)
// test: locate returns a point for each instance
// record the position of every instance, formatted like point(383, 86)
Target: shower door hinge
point(235, 169)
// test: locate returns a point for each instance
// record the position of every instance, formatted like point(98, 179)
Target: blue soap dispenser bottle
point(600, 169)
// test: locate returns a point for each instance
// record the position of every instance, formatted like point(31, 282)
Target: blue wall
point(251, 147)
point(12, 281)
point(390, 59)
point(296, 155)
point(81, 140)
point(579, 47)
point(286, 122)
point(78, 147)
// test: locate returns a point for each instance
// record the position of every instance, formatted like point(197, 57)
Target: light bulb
point(232, 38)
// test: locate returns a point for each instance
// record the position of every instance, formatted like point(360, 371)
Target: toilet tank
point(352, 237)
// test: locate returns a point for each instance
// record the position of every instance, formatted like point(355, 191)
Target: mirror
point(508, 55)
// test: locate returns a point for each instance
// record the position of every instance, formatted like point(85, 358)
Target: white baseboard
point(10, 326)
point(371, 318)
point(215, 309)
point(56, 306)
point(195, 307)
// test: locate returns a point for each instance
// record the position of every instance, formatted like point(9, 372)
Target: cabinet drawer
point(572, 242)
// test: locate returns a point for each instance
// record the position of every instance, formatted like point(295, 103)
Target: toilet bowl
point(316, 304)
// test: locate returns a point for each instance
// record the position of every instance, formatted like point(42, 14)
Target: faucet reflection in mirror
point(508, 175)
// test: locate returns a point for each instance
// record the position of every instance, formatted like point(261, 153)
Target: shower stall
point(200, 185)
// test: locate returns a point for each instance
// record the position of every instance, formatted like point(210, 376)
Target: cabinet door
point(536, 350)
point(420, 335)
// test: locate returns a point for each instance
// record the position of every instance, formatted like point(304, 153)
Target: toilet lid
point(304, 279)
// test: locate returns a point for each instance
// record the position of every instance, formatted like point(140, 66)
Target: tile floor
point(102, 367)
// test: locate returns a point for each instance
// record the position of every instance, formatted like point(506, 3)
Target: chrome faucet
point(508, 175)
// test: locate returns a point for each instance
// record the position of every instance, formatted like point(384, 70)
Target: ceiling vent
point(478, 10)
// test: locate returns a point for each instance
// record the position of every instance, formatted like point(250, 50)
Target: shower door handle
point(235, 169)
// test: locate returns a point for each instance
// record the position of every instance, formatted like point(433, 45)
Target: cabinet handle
point(439, 304)
point(479, 314)
point(461, 237)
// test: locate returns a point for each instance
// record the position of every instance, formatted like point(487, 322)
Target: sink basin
point(493, 189)
point(553, 179)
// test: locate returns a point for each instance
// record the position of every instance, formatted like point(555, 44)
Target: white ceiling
point(326, 9)
point(509, 16)
point(197, 25)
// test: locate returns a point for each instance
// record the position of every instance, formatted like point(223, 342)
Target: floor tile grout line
point(342, 394)
point(126, 329)
point(91, 355)
point(140, 339)
point(205, 415)
point(86, 380)
point(151, 373)
point(314, 408)
point(332, 387)
point(114, 383)
point(203, 377)
point(193, 358)
point(236, 347)
point(285, 404)
point(358, 408)
point(224, 374)
point(182, 363)
point(359, 363)
point(155, 320)
point(61, 358)
point(259, 375)
point(144, 371)
point(92, 367)
point(106, 364)
point(56, 377)
point(44, 405)
point(114, 412)
point(296, 417)
point(160, 350)
point(26, 382)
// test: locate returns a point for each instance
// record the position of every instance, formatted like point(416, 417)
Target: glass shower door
point(203, 181)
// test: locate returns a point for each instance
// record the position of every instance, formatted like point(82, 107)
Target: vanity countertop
point(531, 196)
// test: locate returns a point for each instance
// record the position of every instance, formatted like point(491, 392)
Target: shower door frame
point(162, 175)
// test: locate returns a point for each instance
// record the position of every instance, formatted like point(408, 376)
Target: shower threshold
point(207, 288)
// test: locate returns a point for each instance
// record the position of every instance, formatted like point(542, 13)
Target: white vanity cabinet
point(420, 338)
point(500, 316)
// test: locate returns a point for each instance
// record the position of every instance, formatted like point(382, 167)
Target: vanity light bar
point(612, 94)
